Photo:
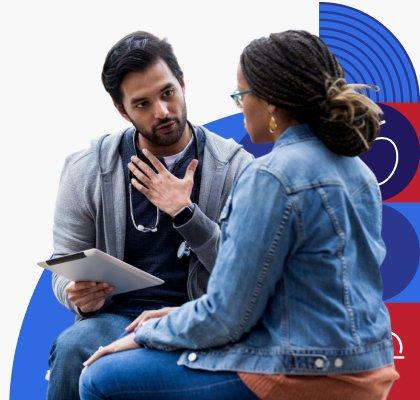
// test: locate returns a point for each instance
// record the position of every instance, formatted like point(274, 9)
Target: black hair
point(296, 72)
point(135, 53)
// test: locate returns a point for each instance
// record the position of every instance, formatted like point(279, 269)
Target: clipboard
point(96, 266)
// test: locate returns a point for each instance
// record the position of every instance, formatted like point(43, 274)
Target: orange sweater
point(371, 385)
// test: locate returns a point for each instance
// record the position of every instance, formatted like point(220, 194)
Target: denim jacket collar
point(294, 134)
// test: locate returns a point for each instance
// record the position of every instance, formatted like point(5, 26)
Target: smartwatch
point(183, 216)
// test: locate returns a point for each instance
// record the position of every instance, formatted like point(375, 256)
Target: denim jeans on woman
point(145, 374)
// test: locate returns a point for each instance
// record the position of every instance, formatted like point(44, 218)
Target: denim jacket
point(296, 288)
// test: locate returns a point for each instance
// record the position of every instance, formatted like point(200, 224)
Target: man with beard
point(149, 195)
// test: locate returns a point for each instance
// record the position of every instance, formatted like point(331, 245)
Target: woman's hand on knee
point(149, 314)
point(125, 343)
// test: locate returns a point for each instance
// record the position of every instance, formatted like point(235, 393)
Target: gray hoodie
point(91, 209)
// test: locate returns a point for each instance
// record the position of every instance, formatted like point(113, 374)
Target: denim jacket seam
point(314, 185)
point(286, 188)
point(299, 221)
point(281, 350)
point(360, 188)
point(263, 273)
point(344, 275)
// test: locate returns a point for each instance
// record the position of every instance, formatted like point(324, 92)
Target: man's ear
point(121, 110)
point(182, 83)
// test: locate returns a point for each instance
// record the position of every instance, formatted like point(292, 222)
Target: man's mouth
point(166, 128)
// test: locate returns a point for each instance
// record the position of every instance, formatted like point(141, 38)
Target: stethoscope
point(184, 249)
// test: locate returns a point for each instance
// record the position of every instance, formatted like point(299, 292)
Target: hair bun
point(344, 108)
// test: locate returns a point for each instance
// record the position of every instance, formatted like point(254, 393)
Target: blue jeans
point(154, 375)
point(74, 346)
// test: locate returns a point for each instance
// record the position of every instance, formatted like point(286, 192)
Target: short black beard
point(165, 140)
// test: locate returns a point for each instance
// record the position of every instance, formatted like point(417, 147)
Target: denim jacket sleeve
point(256, 235)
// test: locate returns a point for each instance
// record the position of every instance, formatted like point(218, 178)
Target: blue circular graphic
point(403, 252)
point(401, 144)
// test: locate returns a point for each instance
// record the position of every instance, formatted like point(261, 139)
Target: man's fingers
point(95, 296)
point(155, 162)
point(84, 292)
point(92, 297)
point(142, 177)
point(143, 167)
point(94, 305)
point(82, 285)
point(140, 187)
point(189, 173)
point(75, 286)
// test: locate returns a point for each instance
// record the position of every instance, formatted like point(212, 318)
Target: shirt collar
point(294, 134)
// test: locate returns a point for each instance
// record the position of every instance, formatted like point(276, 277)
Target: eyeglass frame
point(237, 96)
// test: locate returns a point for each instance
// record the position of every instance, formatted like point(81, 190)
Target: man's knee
point(81, 339)
point(74, 343)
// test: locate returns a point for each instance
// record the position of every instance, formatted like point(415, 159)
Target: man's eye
point(169, 92)
point(142, 104)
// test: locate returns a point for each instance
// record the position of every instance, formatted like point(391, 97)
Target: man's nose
point(161, 110)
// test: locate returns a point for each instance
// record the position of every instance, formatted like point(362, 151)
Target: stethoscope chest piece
point(183, 250)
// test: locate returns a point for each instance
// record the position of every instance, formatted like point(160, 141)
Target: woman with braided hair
point(296, 73)
point(293, 308)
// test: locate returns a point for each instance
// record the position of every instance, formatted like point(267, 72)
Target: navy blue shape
point(403, 252)
point(381, 157)
point(411, 294)
point(363, 44)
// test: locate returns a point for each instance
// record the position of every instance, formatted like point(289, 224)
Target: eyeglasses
point(237, 97)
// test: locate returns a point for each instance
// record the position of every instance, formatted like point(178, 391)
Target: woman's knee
point(94, 380)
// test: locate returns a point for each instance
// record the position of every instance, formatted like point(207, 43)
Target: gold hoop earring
point(272, 126)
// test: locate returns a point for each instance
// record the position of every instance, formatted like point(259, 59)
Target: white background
point(53, 102)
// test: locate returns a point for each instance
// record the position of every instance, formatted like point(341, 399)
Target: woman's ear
point(271, 109)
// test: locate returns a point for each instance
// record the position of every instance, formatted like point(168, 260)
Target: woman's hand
point(146, 315)
point(125, 343)
point(167, 192)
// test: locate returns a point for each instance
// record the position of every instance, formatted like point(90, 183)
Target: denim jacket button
point(338, 363)
point(192, 357)
point(319, 363)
